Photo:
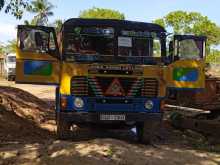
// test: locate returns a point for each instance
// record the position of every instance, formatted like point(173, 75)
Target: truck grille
point(79, 86)
point(150, 87)
point(98, 86)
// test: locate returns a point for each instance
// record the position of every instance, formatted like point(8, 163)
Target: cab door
point(187, 70)
point(37, 56)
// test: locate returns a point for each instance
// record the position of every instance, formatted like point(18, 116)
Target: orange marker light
point(162, 105)
point(63, 102)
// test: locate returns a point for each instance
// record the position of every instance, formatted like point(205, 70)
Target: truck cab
point(9, 66)
point(107, 72)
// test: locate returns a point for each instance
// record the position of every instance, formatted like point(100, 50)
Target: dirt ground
point(27, 136)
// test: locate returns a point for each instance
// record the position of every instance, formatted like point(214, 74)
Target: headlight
point(78, 102)
point(149, 105)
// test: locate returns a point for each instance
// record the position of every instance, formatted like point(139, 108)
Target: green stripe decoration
point(185, 74)
point(40, 68)
point(44, 70)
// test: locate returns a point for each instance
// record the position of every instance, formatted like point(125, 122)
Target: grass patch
point(110, 152)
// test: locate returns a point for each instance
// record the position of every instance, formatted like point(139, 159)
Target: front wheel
point(147, 130)
point(63, 129)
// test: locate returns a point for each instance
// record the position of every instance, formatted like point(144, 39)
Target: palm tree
point(31, 22)
point(58, 25)
point(42, 9)
point(26, 22)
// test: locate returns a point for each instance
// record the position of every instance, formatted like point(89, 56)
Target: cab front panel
point(141, 75)
point(127, 90)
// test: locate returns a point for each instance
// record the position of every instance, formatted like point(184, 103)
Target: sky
point(136, 10)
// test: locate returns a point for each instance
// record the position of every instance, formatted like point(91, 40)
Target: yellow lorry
point(108, 71)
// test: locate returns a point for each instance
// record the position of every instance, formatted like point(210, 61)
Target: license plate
point(112, 117)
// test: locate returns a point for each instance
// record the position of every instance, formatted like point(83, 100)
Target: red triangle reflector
point(115, 89)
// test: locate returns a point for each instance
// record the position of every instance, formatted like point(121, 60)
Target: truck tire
point(66, 131)
point(63, 130)
point(146, 131)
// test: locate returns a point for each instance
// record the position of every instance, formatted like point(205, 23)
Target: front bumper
point(81, 117)
point(112, 104)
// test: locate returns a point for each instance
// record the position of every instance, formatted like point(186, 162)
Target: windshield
point(139, 46)
point(104, 44)
point(190, 49)
point(11, 59)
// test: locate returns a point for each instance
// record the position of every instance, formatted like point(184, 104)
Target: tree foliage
point(2, 50)
point(26, 22)
point(58, 25)
point(213, 57)
point(101, 13)
point(42, 10)
point(10, 46)
point(14, 7)
point(182, 22)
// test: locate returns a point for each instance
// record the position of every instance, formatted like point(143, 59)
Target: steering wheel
point(85, 43)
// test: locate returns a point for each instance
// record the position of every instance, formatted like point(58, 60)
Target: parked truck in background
point(9, 66)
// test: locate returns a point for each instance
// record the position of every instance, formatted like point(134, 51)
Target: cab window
point(38, 40)
point(157, 47)
point(11, 59)
point(139, 44)
point(90, 41)
point(190, 49)
point(34, 40)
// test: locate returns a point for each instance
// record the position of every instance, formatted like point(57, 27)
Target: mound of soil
point(22, 116)
point(25, 104)
point(17, 129)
